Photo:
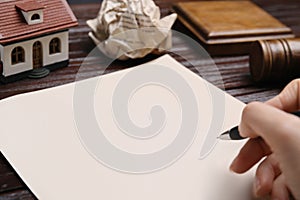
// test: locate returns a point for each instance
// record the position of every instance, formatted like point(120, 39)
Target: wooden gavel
point(275, 60)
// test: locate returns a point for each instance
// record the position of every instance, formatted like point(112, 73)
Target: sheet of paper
point(49, 138)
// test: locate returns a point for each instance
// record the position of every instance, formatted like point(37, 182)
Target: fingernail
point(232, 166)
point(256, 186)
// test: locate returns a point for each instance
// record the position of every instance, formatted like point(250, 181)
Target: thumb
point(275, 126)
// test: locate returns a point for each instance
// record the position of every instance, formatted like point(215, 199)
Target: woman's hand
point(275, 136)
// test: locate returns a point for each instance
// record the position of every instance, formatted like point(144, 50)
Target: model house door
point(37, 55)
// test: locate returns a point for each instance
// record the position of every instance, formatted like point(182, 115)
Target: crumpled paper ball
point(132, 29)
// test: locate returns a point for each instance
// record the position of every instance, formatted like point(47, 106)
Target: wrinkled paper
point(132, 29)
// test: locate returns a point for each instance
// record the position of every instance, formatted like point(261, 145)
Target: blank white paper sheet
point(145, 133)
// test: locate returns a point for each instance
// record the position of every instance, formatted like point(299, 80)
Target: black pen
point(234, 134)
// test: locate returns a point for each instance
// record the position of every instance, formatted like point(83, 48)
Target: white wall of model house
point(28, 16)
point(48, 59)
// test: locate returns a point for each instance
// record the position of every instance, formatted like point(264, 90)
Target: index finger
point(288, 100)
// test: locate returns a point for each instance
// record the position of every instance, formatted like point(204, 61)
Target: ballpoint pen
point(234, 134)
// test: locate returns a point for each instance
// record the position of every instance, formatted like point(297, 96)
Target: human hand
point(275, 136)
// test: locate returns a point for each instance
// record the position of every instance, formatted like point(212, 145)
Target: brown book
point(229, 27)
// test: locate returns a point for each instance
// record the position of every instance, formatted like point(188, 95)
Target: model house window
point(32, 11)
point(17, 55)
point(35, 17)
point(55, 46)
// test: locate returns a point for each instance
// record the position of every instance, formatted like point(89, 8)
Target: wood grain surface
point(231, 73)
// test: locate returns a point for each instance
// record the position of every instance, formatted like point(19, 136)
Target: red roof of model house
point(13, 27)
point(29, 5)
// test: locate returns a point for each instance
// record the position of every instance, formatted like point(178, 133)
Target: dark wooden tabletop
point(234, 70)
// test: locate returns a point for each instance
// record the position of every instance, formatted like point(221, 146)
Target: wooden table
point(234, 70)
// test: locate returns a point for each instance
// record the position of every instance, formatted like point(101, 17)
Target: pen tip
point(225, 133)
point(224, 136)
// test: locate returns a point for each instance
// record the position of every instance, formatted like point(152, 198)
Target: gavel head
point(275, 60)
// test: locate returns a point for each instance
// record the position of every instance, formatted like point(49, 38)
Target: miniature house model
point(33, 37)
